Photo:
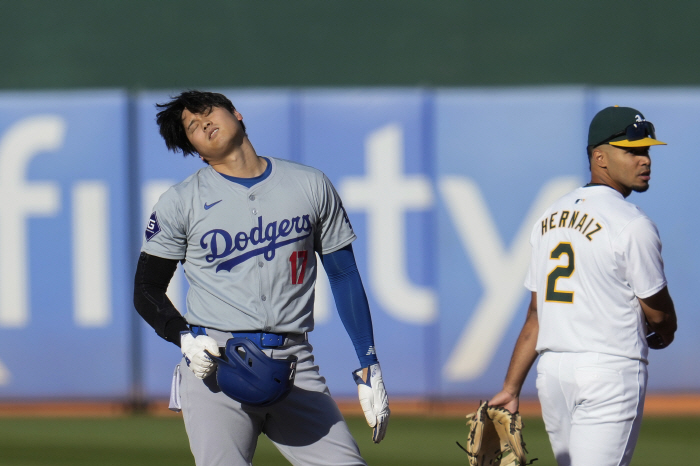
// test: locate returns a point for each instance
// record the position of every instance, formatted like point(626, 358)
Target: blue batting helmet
point(249, 376)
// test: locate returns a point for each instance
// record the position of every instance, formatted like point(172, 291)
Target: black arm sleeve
point(153, 274)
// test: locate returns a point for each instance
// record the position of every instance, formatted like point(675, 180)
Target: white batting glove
point(193, 350)
point(373, 399)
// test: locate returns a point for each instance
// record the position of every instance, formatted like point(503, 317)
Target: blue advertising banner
point(372, 145)
point(64, 290)
point(502, 157)
point(442, 188)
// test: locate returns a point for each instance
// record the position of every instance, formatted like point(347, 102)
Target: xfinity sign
point(442, 188)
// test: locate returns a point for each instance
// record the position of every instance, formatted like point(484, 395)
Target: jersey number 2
point(559, 272)
point(297, 270)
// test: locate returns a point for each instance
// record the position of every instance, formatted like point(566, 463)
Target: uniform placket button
point(255, 211)
point(260, 264)
point(263, 297)
point(251, 197)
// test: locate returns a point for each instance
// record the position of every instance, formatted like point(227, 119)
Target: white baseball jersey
point(593, 255)
point(249, 252)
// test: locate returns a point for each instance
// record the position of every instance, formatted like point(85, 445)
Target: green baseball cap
point(623, 127)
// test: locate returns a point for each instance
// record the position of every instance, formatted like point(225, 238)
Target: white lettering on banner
point(4, 375)
point(20, 144)
point(502, 272)
point(151, 193)
point(92, 284)
point(386, 194)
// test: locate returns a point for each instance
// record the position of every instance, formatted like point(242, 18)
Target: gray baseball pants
point(307, 426)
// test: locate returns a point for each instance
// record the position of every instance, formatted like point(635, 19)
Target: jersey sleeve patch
point(153, 228)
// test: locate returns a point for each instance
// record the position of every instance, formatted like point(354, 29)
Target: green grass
point(140, 440)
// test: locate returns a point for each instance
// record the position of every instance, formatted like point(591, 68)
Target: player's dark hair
point(589, 151)
point(169, 118)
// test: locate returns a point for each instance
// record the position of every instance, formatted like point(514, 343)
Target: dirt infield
point(656, 405)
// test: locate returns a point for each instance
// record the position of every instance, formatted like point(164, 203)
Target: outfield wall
point(442, 187)
point(75, 44)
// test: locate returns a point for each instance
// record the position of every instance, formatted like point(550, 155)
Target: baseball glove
point(495, 438)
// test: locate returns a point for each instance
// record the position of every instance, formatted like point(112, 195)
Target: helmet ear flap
point(249, 376)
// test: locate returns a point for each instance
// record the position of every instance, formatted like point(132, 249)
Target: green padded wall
point(177, 43)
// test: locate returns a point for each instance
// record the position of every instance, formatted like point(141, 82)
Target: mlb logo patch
point(152, 228)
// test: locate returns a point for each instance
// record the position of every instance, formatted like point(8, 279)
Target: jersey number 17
point(298, 266)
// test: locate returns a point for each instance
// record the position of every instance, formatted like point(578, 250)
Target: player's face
point(629, 168)
point(214, 134)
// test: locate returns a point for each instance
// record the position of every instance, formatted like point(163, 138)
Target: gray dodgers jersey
point(249, 252)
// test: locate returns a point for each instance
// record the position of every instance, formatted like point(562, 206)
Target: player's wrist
point(174, 328)
point(513, 391)
point(366, 361)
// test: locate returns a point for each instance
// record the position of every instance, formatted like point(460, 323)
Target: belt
point(261, 339)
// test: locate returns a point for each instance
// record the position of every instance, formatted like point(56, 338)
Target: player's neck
point(603, 179)
point(241, 162)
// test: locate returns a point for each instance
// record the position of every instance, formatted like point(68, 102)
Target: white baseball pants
point(592, 406)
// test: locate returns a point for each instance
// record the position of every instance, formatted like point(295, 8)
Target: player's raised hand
point(193, 350)
point(373, 399)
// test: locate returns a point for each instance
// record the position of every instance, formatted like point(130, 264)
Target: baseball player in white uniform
point(247, 230)
point(599, 302)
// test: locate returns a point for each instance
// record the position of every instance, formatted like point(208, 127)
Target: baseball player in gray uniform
point(599, 302)
point(247, 230)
